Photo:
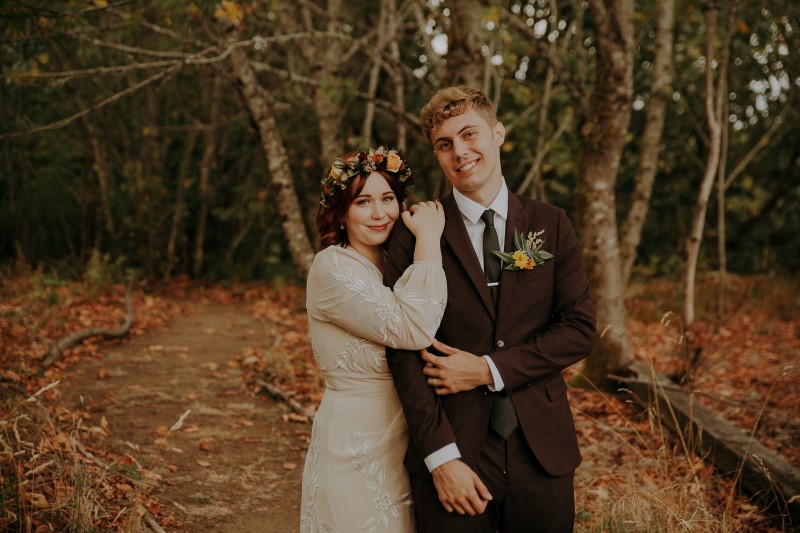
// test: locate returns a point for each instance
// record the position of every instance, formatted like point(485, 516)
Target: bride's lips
point(382, 227)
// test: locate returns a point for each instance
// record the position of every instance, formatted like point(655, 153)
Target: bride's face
point(372, 214)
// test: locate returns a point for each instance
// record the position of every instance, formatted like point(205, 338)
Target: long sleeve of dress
point(346, 290)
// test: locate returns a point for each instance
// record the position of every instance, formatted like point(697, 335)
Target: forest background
point(169, 140)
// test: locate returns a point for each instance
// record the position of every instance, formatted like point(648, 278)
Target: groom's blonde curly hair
point(451, 102)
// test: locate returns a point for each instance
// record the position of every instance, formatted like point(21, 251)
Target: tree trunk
point(721, 208)
point(277, 161)
point(374, 78)
point(713, 103)
point(603, 135)
point(177, 209)
point(206, 166)
point(465, 62)
point(397, 77)
point(100, 168)
point(328, 95)
point(650, 142)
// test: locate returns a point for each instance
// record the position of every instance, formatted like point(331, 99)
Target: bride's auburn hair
point(331, 216)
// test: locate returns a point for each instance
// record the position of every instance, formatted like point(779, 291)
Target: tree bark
point(650, 142)
point(464, 58)
point(603, 135)
point(328, 95)
point(277, 161)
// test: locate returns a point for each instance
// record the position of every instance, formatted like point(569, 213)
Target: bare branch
point(108, 101)
point(576, 91)
point(762, 143)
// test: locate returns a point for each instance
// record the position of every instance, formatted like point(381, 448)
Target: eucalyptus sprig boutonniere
point(527, 252)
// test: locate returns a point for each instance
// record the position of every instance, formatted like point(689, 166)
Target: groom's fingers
point(442, 347)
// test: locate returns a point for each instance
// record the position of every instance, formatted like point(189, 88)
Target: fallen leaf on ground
point(289, 466)
point(293, 417)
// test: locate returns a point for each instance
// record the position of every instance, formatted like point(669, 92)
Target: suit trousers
point(525, 498)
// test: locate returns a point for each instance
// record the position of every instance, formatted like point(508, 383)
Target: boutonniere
point(527, 252)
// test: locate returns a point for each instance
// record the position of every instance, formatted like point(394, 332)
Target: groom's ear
point(499, 133)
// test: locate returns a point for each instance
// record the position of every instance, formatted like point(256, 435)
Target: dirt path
point(234, 465)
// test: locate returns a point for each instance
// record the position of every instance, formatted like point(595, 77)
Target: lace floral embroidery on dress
point(309, 517)
point(370, 293)
point(374, 477)
point(385, 311)
point(358, 349)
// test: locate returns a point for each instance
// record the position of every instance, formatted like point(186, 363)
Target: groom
point(493, 444)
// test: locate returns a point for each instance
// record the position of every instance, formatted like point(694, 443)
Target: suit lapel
point(517, 221)
point(455, 233)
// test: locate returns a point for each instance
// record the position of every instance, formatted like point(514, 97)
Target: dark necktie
point(503, 419)
point(491, 263)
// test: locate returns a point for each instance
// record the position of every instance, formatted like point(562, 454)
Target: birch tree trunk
point(603, 133)
point(650, 142)
point(713, 103)
point(277, 162)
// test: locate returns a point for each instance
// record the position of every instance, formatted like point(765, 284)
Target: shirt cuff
point(441, 456)
point(498, 381)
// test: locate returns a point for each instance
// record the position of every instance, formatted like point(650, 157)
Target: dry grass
point(44, 481)
point(636, 476)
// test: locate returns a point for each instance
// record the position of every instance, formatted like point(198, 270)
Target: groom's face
point(468, 150)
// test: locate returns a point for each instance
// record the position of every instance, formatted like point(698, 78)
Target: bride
point(354, 478)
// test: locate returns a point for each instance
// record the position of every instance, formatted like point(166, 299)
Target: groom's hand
point(460, 489)
point(457, 371)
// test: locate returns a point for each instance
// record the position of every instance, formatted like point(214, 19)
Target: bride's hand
point(425, 219)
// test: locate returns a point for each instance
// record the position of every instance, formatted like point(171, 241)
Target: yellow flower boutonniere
point(527, 252)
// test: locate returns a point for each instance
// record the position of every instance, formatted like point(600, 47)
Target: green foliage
point(150, 142)
point(102, 271)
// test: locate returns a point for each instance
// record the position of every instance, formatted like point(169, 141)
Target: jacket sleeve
point(428, 426)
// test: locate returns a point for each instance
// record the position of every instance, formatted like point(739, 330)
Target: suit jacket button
point(500, 343)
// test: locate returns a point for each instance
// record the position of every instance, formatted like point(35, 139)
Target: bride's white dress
point(354, 479)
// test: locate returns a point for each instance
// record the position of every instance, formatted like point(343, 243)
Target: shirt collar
point(472, 210)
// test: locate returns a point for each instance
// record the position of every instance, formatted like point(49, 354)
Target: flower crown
point(374, 159)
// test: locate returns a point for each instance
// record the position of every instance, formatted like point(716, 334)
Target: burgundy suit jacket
point(544, 322)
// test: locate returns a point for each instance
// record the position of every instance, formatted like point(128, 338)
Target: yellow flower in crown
point(336, 173)
point(393, 162)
